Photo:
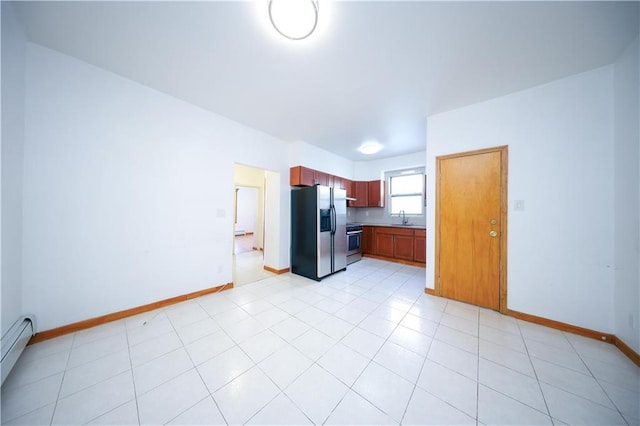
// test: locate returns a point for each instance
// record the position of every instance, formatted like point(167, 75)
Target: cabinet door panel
point(361, 194)
point(420, 248)
point(308, 176)
point(348, 186)
point(368, 242)
point(301, 176)
point(403, 247)
point(375, 192)
point(338, 182)
point(331, 181)
point(321, 178)
point(384, 245)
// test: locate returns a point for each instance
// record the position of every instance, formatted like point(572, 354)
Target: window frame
point(406, 172)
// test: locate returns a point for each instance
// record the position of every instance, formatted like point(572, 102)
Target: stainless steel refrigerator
point(318, 231)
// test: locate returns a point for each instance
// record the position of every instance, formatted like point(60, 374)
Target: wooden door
point(471, 227)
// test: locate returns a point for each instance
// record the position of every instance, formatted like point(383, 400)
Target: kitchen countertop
point(396, 225)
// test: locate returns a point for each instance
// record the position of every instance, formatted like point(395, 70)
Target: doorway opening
point(471, 227)
point(246, 224)
point(249, 230)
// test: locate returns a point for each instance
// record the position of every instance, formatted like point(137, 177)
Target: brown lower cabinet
point(384, 243)
point(403, 247)
point(394, 242)
point(368, 239)
point(420, 246)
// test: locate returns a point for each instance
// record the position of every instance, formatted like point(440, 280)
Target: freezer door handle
point(334, 220)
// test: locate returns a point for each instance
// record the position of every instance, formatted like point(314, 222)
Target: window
point(406, 191)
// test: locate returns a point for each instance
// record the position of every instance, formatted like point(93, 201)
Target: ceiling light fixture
point(369, 148)
point(294, 19)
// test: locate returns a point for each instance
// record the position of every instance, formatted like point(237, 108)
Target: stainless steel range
point(354, 242)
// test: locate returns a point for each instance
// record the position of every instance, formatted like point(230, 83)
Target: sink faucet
point(404, 217)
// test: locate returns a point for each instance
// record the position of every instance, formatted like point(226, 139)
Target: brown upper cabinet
point(375, 193)
point(322, 178)
point(366, 194)
point(302, 176)
point(361, 194)
point(338, 182)
point(348, 186)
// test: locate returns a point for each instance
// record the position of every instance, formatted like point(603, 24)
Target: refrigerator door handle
point(334, 219)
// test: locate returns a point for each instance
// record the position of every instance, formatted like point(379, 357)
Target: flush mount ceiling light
point(369, 148)
point(294, 19)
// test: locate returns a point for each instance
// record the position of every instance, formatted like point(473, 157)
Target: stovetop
point(354, 227)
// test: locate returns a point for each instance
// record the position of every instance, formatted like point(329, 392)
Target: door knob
point(493, 234)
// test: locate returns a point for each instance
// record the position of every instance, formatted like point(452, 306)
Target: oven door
point(354, 242)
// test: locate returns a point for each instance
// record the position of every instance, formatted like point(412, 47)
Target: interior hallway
point(248, 264)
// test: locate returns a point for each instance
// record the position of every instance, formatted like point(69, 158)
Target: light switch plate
point(518, 205)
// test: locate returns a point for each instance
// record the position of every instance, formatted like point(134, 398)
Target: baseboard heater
point(14, 341)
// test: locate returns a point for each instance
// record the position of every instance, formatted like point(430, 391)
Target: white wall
point(304, 154)
point(375, 169)
point(560, 138)
point(13, 86)
point(277, 215)
point(128, 192)
point(627, 202)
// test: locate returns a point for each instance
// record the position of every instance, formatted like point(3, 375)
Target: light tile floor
point(365, 346)
point(249, 267)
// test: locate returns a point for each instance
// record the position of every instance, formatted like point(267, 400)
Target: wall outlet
point(220, 269)
point(366, 213)
point(220, 213)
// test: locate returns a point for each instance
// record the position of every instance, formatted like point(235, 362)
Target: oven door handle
point(354, 232)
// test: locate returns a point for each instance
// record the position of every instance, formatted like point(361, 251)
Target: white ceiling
point(375, 70)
